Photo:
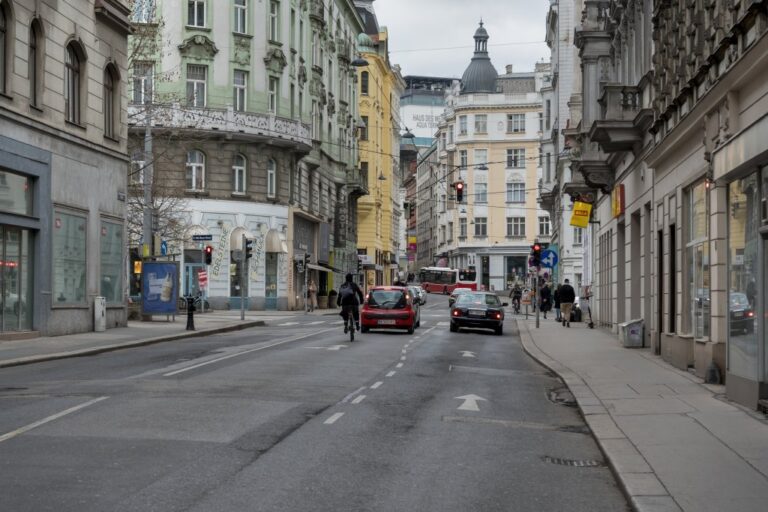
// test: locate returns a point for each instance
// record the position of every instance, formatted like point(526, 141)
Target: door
point(191, 279)
point(15, 280)
point(270, 293)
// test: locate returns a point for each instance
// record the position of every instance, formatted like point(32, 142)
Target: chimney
point(509, 69)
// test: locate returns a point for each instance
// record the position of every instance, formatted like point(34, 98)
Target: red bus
point(445, 280)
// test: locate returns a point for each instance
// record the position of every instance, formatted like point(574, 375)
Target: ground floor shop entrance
point(15, 279)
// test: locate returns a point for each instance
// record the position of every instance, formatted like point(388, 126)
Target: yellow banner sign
point(581, 214)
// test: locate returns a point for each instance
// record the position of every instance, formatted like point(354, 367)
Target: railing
point(223, 120)
point(619, 102)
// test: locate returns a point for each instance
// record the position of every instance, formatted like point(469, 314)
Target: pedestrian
point(312, 295)
point(556, 302)
point(545, 300)
point(567, 298)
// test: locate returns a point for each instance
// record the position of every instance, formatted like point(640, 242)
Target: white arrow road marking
point(49, 419)
point(376, 385)
point(467, 353)
point(286, 324)
point(332, 419)
point(359, 399)
point(470, 402)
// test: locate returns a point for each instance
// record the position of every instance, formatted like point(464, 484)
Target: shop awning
point(273, 243)
point(321, 268)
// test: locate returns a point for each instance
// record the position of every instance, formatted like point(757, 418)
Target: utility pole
point(147, 237)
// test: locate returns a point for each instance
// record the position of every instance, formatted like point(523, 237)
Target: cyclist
point(350, 297)
point(517, 295)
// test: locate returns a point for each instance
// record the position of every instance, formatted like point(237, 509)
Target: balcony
point(247, 125)
point(622, 122)
point(357, 182)
point(317, 10)
point(343, 49)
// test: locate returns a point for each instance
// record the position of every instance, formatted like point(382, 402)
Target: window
point(481, 123)
point(516, 158)
point(196, 13)
point(143, 11)
point(462, 125)
point(271, 179)
point(195, 170)
point(239, 167)
point(111, 102)
point(35, 51)
point(274, 20)
point(442, 235)
point(17, 193)
point(72, 85)
point(196, 81)
point(443, 138)
point(548, 115)
point(578, 236)
point(4, 44)
point(138, 165)
point(515, 192)
point(364, 83)
point(463, 158)
point(450, 232)
point(481, 226)
point(143, 82)
point(241, 15)
point(450, 134)
point(69, 261)
point(516, 123)
point(364, 128)
point(293, 101)
point(112, 261)
point(274, 90)
point(549, 167)
point(544, 226)
point(481, 192)
point(240, 82)
point(516, 227)
point(697, 315)
point(481, 157)
point(462, 227)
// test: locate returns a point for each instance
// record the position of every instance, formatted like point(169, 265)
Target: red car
point(389, 307)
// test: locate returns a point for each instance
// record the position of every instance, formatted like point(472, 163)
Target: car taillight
point(498, 316)
point(751, 314)
point(456, 312)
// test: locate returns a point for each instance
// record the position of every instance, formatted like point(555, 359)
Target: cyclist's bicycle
point(349, 325)
point(516, 305)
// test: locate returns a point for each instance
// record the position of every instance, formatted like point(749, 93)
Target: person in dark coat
point(567, 298)
point(556, 301)
point(545, 299)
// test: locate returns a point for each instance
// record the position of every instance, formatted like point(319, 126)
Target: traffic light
point(248, 248)
point(459, 191)
point(307, 257)
point(359, 265)
point(536, 254)
point(208, 254)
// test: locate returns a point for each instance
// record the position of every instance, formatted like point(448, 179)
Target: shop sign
point(617, 201)
point(581, 213)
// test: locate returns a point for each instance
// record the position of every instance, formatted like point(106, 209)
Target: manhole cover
point(584, 463)
point(561, 396)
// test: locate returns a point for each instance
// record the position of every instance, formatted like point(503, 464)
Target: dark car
point(389, 307)
point(456, 292)
point(742, 315)
point(478, 309)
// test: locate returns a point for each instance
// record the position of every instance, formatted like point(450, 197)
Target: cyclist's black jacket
point(351, 300)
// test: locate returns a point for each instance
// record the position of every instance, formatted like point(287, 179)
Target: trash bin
point(631, 333)
point(100, 314)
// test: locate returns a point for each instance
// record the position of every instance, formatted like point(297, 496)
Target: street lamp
point(359, 62)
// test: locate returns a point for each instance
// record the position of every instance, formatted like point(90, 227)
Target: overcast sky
point(516, 29)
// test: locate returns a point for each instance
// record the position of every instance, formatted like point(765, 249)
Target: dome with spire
point(480, 76)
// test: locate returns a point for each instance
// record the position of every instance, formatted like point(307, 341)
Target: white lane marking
point(212, 361)
point(49, 419)
point(286, 324)
point(391, 373)
point(358, 390)
point(470, 402)
point(403, 351)
point(376, 385)
point(316, 323)
point(399, 365)
point(443, 323)
point(402, 358)
point(358, 399)
point(332, 419)
point(467, 353)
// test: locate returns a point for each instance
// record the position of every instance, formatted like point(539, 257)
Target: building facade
point(252, 111)
point(672, 142)
point(62, 132)
point(489, 139)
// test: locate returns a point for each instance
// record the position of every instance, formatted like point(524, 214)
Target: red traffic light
point(460, 185)
point(536, 247)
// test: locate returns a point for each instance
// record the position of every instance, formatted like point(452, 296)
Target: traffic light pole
point(243, 273)
point(536, 295)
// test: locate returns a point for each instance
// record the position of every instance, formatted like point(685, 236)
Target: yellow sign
point(581, 213)
point(617, 200)
point(137, 267)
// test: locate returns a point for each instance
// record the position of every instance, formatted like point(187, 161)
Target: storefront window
point(743, 268)
point(111, 261)
point(697, 261)
point(16, 193)
point(68, 259)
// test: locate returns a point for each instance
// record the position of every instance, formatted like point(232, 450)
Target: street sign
point(548, 258)
point(202, 278)
point(201, 238)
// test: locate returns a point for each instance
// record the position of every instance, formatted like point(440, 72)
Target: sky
point(516, 29)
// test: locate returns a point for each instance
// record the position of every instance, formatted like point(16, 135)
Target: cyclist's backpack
point(347, 292)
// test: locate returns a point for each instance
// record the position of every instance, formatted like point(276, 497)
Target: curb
point(129, 344)
point(637, 480)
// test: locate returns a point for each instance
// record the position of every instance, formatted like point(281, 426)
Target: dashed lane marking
point(332, 419)
point(443, 324)
point(359, 399)
point(286, 324)
point(27, 428)
point(376, 385)
point(391, 373)
point(399, 365)
point(402, 358)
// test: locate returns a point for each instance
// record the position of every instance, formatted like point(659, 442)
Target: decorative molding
point(275, 60)
point(199, 47)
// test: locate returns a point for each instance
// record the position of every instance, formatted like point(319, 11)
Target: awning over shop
point(273, 243)
point(321, 268)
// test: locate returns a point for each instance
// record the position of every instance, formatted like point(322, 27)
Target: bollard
point(190, 313)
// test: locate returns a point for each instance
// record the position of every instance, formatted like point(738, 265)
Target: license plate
point(387, 322)
point(476, 312)
point(738, 314)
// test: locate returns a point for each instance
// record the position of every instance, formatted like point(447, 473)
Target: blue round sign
point(548, 258)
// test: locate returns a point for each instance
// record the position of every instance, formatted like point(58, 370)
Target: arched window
point(5, 41)
point(111, 102)
point(238, 174)
point(364, 83)
point(72, 78)
point(195, 170)
point(35, 58)
point(271, 179)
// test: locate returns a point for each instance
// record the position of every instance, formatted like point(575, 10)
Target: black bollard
point(190, 313)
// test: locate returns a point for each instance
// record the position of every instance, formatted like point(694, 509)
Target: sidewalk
point(18, 352)
point(675, 443)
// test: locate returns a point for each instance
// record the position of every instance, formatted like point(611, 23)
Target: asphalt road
point(293, 417)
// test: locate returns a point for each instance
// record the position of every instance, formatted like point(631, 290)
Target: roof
point(480, 76)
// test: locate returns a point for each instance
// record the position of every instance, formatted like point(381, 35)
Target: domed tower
point(480, 76)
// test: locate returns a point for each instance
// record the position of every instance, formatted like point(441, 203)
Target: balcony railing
point(623, 121)
point(223, 120)
point(357, 181)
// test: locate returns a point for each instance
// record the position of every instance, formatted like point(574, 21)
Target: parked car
point(418, 294)
point(742, 314)
point(389, 307)
point(478, 309)
point(456, 292)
